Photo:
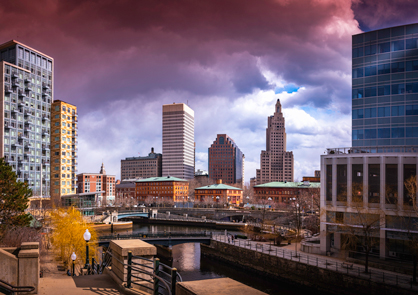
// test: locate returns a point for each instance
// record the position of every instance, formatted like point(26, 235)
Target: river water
point(191, 266)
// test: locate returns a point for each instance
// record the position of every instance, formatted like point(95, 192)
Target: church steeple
point(102, 169)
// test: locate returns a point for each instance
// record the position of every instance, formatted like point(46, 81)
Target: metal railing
point(348, 268)
point(371, 149)
point(10, 289)
point(155, 235)
point(145, 273)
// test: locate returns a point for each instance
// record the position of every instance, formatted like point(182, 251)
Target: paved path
point(56, 281)
point(335, 264)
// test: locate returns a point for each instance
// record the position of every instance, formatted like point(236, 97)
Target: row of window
point(388, 68)
point(385, 47)
point(382, 90)
point(380, 112)
point(397, 132)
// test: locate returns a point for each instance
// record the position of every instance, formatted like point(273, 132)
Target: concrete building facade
point(142, 167)
point(276, 164)
point(353, 182)
point(226, 161)
point(98, 182)
point(64, 121)
point(25, 107)
point(178, 141)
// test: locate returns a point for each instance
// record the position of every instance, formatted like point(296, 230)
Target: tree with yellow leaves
point(67, 237)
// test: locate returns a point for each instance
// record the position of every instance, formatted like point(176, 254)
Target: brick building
point(163, 189)
point(144, 167)
point(218, 193)
point(226, 161)
point(283, 192)
point(96, 182)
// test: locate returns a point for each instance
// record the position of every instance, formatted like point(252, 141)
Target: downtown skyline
point(229, 60)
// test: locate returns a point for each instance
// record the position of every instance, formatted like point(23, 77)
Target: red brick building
point(218, 193)
point(166, 188)
point(96, 182)
point(283, 192)
point(226, 161)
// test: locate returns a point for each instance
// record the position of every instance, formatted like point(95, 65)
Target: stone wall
point(320, 279)
point(20, 266)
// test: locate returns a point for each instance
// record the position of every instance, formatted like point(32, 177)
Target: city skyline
point(229, 61)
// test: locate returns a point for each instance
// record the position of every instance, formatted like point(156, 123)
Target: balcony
point(22, 94)
point(7, 125)
point(46, 95)
point(45, 147)
point(29, 122)
point(45, 118)
point(75, 120)
point(16, 83)
point(28, 88)
point(371, 150)
point(16, 144)
point(27, 81)
point(15, 111)
point(21, 104)
point(45, 132)
point(45, 162)
point(45, 86)
point(28, 114)
point(15, 75)
point(7, 90)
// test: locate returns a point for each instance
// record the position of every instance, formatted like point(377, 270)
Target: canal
point(188, 261)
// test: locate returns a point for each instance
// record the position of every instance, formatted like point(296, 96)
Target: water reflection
point(186, 257)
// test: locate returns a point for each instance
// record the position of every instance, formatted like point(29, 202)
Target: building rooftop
point(305, 184)
point(220, 186)
point(159, 179)
point(371, 150)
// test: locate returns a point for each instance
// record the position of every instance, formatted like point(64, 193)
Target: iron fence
point(400, 281)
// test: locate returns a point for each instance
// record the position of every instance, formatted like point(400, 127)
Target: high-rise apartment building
point(276, 164)
point(25, 107)
point(226, 161)
point(178, 141)
point(385, 87)
point(63, 150)
point(141, 167)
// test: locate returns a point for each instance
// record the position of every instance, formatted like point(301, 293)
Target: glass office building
point(385, 87)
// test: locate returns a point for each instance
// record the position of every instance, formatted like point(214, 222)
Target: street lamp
point(297, 228)
point(217, 201)
point(73, 258)
point(87, 236)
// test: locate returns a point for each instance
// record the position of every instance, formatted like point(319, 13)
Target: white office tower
point(178, 141)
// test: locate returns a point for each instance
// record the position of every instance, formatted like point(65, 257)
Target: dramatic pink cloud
point(119, 61)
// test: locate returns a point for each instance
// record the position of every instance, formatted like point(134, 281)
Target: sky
point(119, 61)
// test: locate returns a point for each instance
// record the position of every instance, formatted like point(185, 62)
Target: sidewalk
point(56, 281)
point(331, 263)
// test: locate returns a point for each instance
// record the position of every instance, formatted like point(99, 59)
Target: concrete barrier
point(224, 286)
point(20, 266)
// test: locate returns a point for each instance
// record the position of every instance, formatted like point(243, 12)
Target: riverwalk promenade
point(56, 281)
point(329, 263)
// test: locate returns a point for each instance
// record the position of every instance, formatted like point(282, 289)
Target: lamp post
point(217, 201)
point(297, 228)
point(73, 258)
point(87, 236)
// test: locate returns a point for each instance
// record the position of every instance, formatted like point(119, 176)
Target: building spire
point(102, 169)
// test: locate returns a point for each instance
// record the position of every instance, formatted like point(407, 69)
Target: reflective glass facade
point(385, 87)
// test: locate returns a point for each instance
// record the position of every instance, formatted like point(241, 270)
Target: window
point(398, 88)
point(370, 113)
point(412, 65)
point(369, 133)
point(397, 67)
point(357, 73)
point(383, 90)
point(397, 45)
point(398, 132)
point(412, 87)
point(369, 71)
point(411, 43)
point(369, 49)
point(398, 111)
point(411, 110)
point(383, 112)
point(370, 91)
point(411, 131)
point(357, 52)
point(383, 69)
point(384, 47)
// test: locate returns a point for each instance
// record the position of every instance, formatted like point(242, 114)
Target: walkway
point(56, 281)
point(335, 264)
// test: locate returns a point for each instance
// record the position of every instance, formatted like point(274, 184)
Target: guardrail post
point(173, 280)
point(129, 279)
point(93, 262)
point(156, 272)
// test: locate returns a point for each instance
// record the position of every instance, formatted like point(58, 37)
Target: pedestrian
point(229, 239)
point(232, 239)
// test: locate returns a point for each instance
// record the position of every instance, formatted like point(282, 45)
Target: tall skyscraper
point(385, 87)
point(63, 150)
point(25, 107)
point(226, 161)
point(276, 164)
point(178, 141)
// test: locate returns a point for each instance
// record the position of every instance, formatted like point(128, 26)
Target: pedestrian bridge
point(133, 214)
point(164, 239)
